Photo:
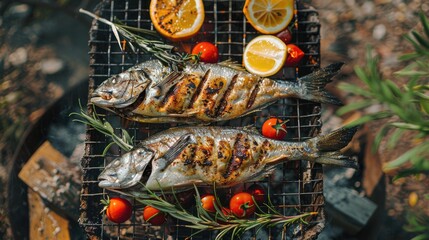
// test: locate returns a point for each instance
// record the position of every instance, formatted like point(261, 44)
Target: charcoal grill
point(294, 187)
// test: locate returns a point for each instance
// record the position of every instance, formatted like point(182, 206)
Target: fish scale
point(182, 157)
point(202, 93)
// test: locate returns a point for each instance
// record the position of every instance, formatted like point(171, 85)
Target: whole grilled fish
point(154, 93)
point(180, 158)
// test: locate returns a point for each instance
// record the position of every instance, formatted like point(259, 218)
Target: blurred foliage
point(405, 107)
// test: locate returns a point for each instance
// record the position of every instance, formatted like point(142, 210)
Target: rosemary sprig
point(202, 221)
point(125, 142)
point(159, 49)
point(225, 224)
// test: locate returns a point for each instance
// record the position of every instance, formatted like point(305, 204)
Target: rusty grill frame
point(226, 26)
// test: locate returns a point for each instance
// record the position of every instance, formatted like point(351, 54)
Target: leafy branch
point(101, 125)
point(408, 104)
point(407, 108)
point(164, 52)
point(224, 223)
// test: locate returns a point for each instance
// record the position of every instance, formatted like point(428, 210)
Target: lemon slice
point(177, 20)
point(269, 16)
point(265, 55)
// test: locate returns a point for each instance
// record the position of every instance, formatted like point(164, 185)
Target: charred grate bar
point(294, 187)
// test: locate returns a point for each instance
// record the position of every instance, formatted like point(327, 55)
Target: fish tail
point(329, 147)
point(312, 86)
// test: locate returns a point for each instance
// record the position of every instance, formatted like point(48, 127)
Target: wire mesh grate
point(294, 187)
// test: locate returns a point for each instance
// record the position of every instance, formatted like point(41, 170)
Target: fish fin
point(170, 80)
point(336, 158)
point(232, 64)
point(175, 150)
point(314, 84)
point(335, 140)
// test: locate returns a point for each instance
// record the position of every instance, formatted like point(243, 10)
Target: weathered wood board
point(45, 224)
point(55, 179)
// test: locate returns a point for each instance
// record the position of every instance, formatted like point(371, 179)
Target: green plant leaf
point(379, 137)
point(394, 138)
point(420, 40)
point(424, 236)
point(355, 90)
point(425, 23)
point(406, 157)
point(354, 106)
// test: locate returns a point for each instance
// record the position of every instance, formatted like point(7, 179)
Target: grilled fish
point(153, 93)
point(182, 157)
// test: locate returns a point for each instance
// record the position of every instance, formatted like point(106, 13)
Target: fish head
point(127, 170)
point(121, 90)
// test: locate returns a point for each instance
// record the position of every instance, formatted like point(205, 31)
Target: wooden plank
point(55, 179)
point(45, 224)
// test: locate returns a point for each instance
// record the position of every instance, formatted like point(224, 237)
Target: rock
point(379, 31)
point(18, 57)
point(51, 66)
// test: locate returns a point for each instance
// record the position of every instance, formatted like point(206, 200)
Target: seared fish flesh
point(153, 93)
point(180, 158)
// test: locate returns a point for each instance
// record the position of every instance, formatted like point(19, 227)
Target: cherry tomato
point(285, 36)
point(153, 216)
point(242, 205)
point(208, 202)
point(208, 52)
point(274, 128)
point(118, 210)
point(294, 55)
point(258, 193)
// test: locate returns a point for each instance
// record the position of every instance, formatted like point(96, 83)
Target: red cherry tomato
point(258, 193)
point(153, 216)
point(274, 128)
point(208, 52)
point(118, 210)
point(208, 202)
point(294, 55)
point(285, 36)
point(242, 205)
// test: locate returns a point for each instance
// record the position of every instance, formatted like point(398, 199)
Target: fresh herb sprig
point(202, 220)
point(218, 221)
point(157, 48)
point(407, 106)
point(125, 141)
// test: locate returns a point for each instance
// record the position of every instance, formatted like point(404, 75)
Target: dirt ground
point(43, 52)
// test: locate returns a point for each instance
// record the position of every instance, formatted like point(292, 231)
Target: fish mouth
point(108, 102)
point(108, 183)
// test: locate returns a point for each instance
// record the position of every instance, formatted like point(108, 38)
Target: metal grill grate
point(294, 187)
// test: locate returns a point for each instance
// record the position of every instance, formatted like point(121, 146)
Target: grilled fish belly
point(223, 157)
point(183, 157)
point(211, 93)
point(151, 92)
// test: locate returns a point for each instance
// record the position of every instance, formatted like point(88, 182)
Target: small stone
point(379, 32)
point(51, 66)
point(368, 8)
point(18, 57)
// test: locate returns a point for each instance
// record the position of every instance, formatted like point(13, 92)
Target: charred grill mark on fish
point(240, 154)
point(225, 156)
point(199, 88)
point(223, 99)
point(203, 92)
point(253, 95)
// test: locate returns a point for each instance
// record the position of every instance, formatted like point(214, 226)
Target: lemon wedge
point(269, 16)
point(265, 55)
point(177, 20)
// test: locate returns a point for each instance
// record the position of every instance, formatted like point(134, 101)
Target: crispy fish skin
point(154, 93)
point(182, 157)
